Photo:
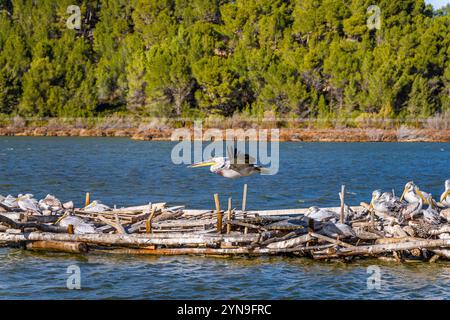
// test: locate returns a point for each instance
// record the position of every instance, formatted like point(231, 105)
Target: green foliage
point(197, 58)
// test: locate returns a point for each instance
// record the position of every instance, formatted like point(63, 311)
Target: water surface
point(125, 172)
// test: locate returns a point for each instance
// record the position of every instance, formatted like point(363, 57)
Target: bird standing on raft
point(28, 203)
point(430, 214)
point(411, 193)
point(236, 165)
point(445, 197)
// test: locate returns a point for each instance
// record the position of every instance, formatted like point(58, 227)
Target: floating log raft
point(157, 229)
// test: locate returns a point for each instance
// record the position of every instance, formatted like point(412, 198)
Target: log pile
point(345, 233)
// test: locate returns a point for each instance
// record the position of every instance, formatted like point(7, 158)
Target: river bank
point(402, 134)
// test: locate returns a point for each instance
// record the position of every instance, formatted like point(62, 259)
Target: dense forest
point(308, 59)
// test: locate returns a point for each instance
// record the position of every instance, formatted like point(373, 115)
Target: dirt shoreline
point(402, 134)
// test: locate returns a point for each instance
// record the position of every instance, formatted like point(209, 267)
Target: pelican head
point(447, 190)
point(313, 209)
point(215, 164)
point(409, 187)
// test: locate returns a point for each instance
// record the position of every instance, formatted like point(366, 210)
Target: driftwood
point(244, 224)
point(154, 229)
point(70, 247)
point(383, 248)
point(290, 243)
point(127, 240)
point(442, 252)
point(31, 225)
point(119, 228)
point(331, 240)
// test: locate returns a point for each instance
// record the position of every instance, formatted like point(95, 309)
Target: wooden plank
point(278, 212)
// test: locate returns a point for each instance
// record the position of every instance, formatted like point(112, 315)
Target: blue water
point(124, 172)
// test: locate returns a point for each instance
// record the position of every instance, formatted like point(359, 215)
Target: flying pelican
point(236, 165)
point(411, 191)
point(445, 198)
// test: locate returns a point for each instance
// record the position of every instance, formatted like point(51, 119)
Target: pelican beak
point(202, 164)
point(444, 196)
point(403, 194)
point(421, 195)
point(371, 204)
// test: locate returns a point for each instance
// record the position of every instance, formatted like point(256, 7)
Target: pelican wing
point(238, 159)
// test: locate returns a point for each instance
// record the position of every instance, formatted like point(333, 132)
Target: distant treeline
point(196, 58)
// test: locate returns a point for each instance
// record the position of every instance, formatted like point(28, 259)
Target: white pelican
point(411, 191)
point(416, 201)
point(28, 203)
point(322, 215)
point(51, 203)
point(79, 225)
point(97, 206)
point(430, 215)
point(385, 203)
point(236, 165)
point(445, 197)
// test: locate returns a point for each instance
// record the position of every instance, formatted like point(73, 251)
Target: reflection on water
point(125, 172)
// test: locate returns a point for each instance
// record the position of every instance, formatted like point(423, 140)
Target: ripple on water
point(309, 174)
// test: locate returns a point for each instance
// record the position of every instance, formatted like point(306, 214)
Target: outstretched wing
point(238, 159)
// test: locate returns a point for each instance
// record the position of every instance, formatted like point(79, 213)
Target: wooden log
point(290, 243)
point(128, 240)
point(148, 223)
point(384, 248)
point(331, 240)
point(244, 198)
point(219, 214)
point(230, 205)
point(396, 240)
point(442, 253)
point(245, 225)
point(272, 236)
point(200, 251)
point(443, 229)
point(87, 200)
point(311, 225)
point(40, 226)
point(342, 196)
point(119, 228)
point(366, 235)
point(60, 246)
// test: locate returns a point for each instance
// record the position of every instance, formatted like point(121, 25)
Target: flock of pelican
point(411, 204)
point(414, 204)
